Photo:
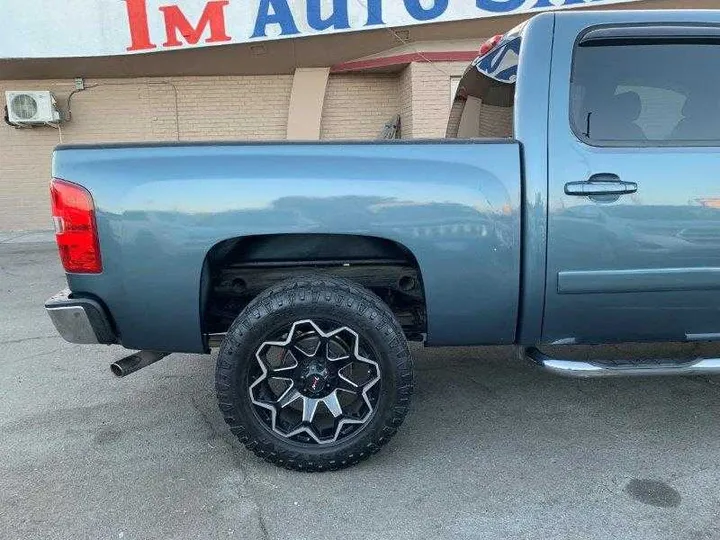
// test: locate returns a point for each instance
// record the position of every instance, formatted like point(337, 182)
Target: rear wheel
point(315, 374)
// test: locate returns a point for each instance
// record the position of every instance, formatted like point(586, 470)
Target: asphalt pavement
point(492, 448)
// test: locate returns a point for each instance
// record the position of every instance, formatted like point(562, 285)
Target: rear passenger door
point(634, 184)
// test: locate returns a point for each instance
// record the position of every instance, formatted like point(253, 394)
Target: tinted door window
point(646, 94)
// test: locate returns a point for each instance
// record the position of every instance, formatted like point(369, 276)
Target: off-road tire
point(311, 297)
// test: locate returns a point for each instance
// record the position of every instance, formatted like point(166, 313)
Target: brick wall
point(496, 121)
point(405, 102)
point(429, 97)
point(125, 110)
point(357, 106)
point(235, 107)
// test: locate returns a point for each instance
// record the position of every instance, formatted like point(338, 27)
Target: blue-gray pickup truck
point(311, 265)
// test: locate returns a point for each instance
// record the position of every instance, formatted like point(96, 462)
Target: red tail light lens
point(490, 44)
point(73, 213)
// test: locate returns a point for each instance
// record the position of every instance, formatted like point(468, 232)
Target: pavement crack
point(25, 340)
point(261, 522)
point(206, 420)
point(38, 355)
point(214, 432)
point(247, 480)
point(481, 384)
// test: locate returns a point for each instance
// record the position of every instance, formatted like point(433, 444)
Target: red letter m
point(213, 15)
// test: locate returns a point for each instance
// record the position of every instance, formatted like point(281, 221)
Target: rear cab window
point(483, 105)
point(647, 86)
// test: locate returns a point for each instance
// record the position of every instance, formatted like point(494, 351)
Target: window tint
point(646, 93)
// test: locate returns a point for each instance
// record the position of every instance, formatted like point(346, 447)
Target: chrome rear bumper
point(79, 320)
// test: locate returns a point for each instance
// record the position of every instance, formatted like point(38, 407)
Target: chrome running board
point(621, 368)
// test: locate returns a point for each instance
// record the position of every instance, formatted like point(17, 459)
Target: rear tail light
point(73, 214)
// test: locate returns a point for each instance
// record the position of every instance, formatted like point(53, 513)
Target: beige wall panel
point(306, 103)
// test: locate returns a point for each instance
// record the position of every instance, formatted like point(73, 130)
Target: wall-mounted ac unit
point(31, 108)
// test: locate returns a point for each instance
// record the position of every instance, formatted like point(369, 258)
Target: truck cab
point(630, 202)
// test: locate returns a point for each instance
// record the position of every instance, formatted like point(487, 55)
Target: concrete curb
point(26, 237)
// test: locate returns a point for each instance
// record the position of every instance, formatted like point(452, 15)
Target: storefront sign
point(51, 29)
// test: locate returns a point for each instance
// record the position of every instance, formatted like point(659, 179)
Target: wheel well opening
point(238, 269)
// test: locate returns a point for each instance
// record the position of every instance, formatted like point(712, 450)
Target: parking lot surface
point(492, 448)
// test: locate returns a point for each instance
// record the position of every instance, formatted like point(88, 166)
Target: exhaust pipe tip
point(117, 369)
point(134, 362)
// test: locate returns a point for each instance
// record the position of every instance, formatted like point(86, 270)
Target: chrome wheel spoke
point(288, 391)
point(333, 404)
point(281, 373)
point(289, 397)
point(309, 409)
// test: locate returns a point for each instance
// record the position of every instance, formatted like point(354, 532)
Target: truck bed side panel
point(161, 208)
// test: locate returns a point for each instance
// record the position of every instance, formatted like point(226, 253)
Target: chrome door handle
point(600, 184)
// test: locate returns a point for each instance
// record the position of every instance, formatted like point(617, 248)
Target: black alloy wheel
point(315, 374)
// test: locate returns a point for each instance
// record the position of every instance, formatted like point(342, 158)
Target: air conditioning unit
point(31, 108)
